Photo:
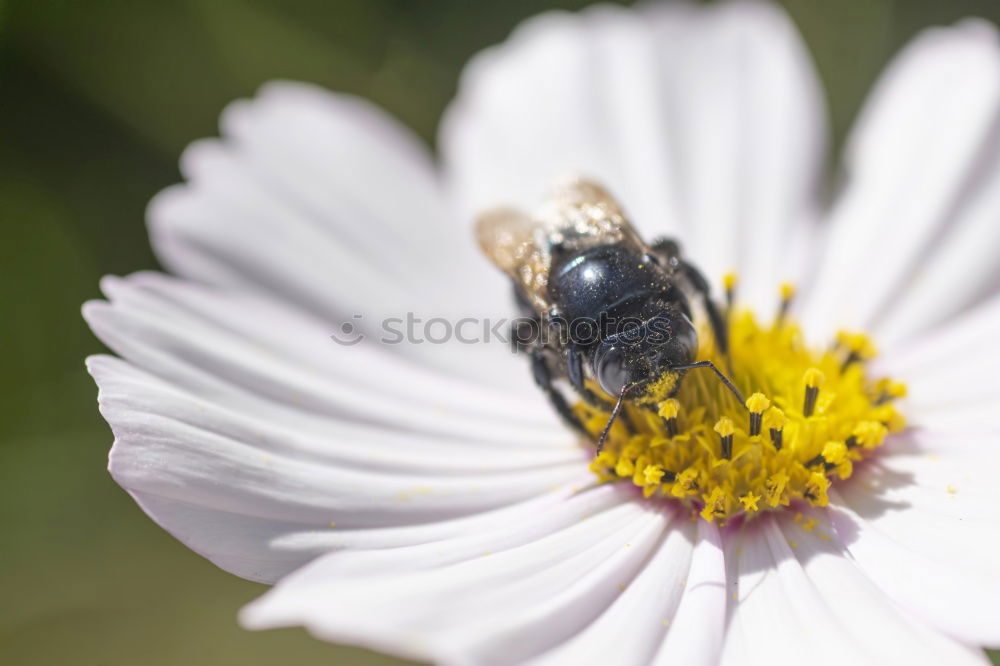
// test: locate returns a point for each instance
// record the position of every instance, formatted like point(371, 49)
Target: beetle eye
point(611, 371)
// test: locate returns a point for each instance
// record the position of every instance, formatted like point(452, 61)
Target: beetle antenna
point(611, 419)
point(691, 366)
point(722, 377)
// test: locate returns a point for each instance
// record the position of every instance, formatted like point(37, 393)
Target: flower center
point(811, 414)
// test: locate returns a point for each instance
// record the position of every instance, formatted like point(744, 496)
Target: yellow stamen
point(869, 434)
point(834, 452)
point(756, 404)
point(729, 281)
point(787, 294)
point(668, 411)
point(687, 483)
point(624, 467)
point(813, 379)
point(858, 346)
point(775, 420)
point(717, 505)
point(889, 389)
point(652, 474)
point(816, 488)
point(895, 389)
point(696, 447)
point(725, 428)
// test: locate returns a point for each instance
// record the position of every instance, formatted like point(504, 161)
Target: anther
point(652, 474)
point(725, 428)
point(756, 404)
point(834, 452)
point(813, 379)
point(869, 434)
point(775, 419)
point(729, 284)
point(858, 345)
point(889, 390)
point(774, 488)
point(787, 294)
point(816, 487)
point(686, 482)
point(668, 412)
point(715, 505)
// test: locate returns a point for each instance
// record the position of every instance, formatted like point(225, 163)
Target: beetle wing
point(581, 215)
point(578, 216)
point(518, 246)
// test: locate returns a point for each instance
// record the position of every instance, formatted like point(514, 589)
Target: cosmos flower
point(423, 500)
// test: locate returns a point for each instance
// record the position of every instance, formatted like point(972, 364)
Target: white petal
point(799, 596)
point(254, 484)
point(941, 510)
point(238, 542)
point(941, 348)
point(323, 201)
point(365, 552)
point(695, 634)
point(961, 271)
point(632, 627)
point(919, 163)
point(935, 493)
point(703, 121)
point(943, 585)
point(932, 459)
point(266, 550)
point(327, 204)
point(497, 608)
point(951, 373)
point(257, 357)
point(776, 619)
point(188, 449)
point(884, 631)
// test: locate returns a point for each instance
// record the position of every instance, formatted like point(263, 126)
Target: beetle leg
point(715, 318)
point(543, 377)
point(574, 368)
point(669, 252)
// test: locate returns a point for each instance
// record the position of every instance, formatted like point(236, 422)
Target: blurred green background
point(97, 99)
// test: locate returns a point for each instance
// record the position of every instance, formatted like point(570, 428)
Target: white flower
point(423, 500)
